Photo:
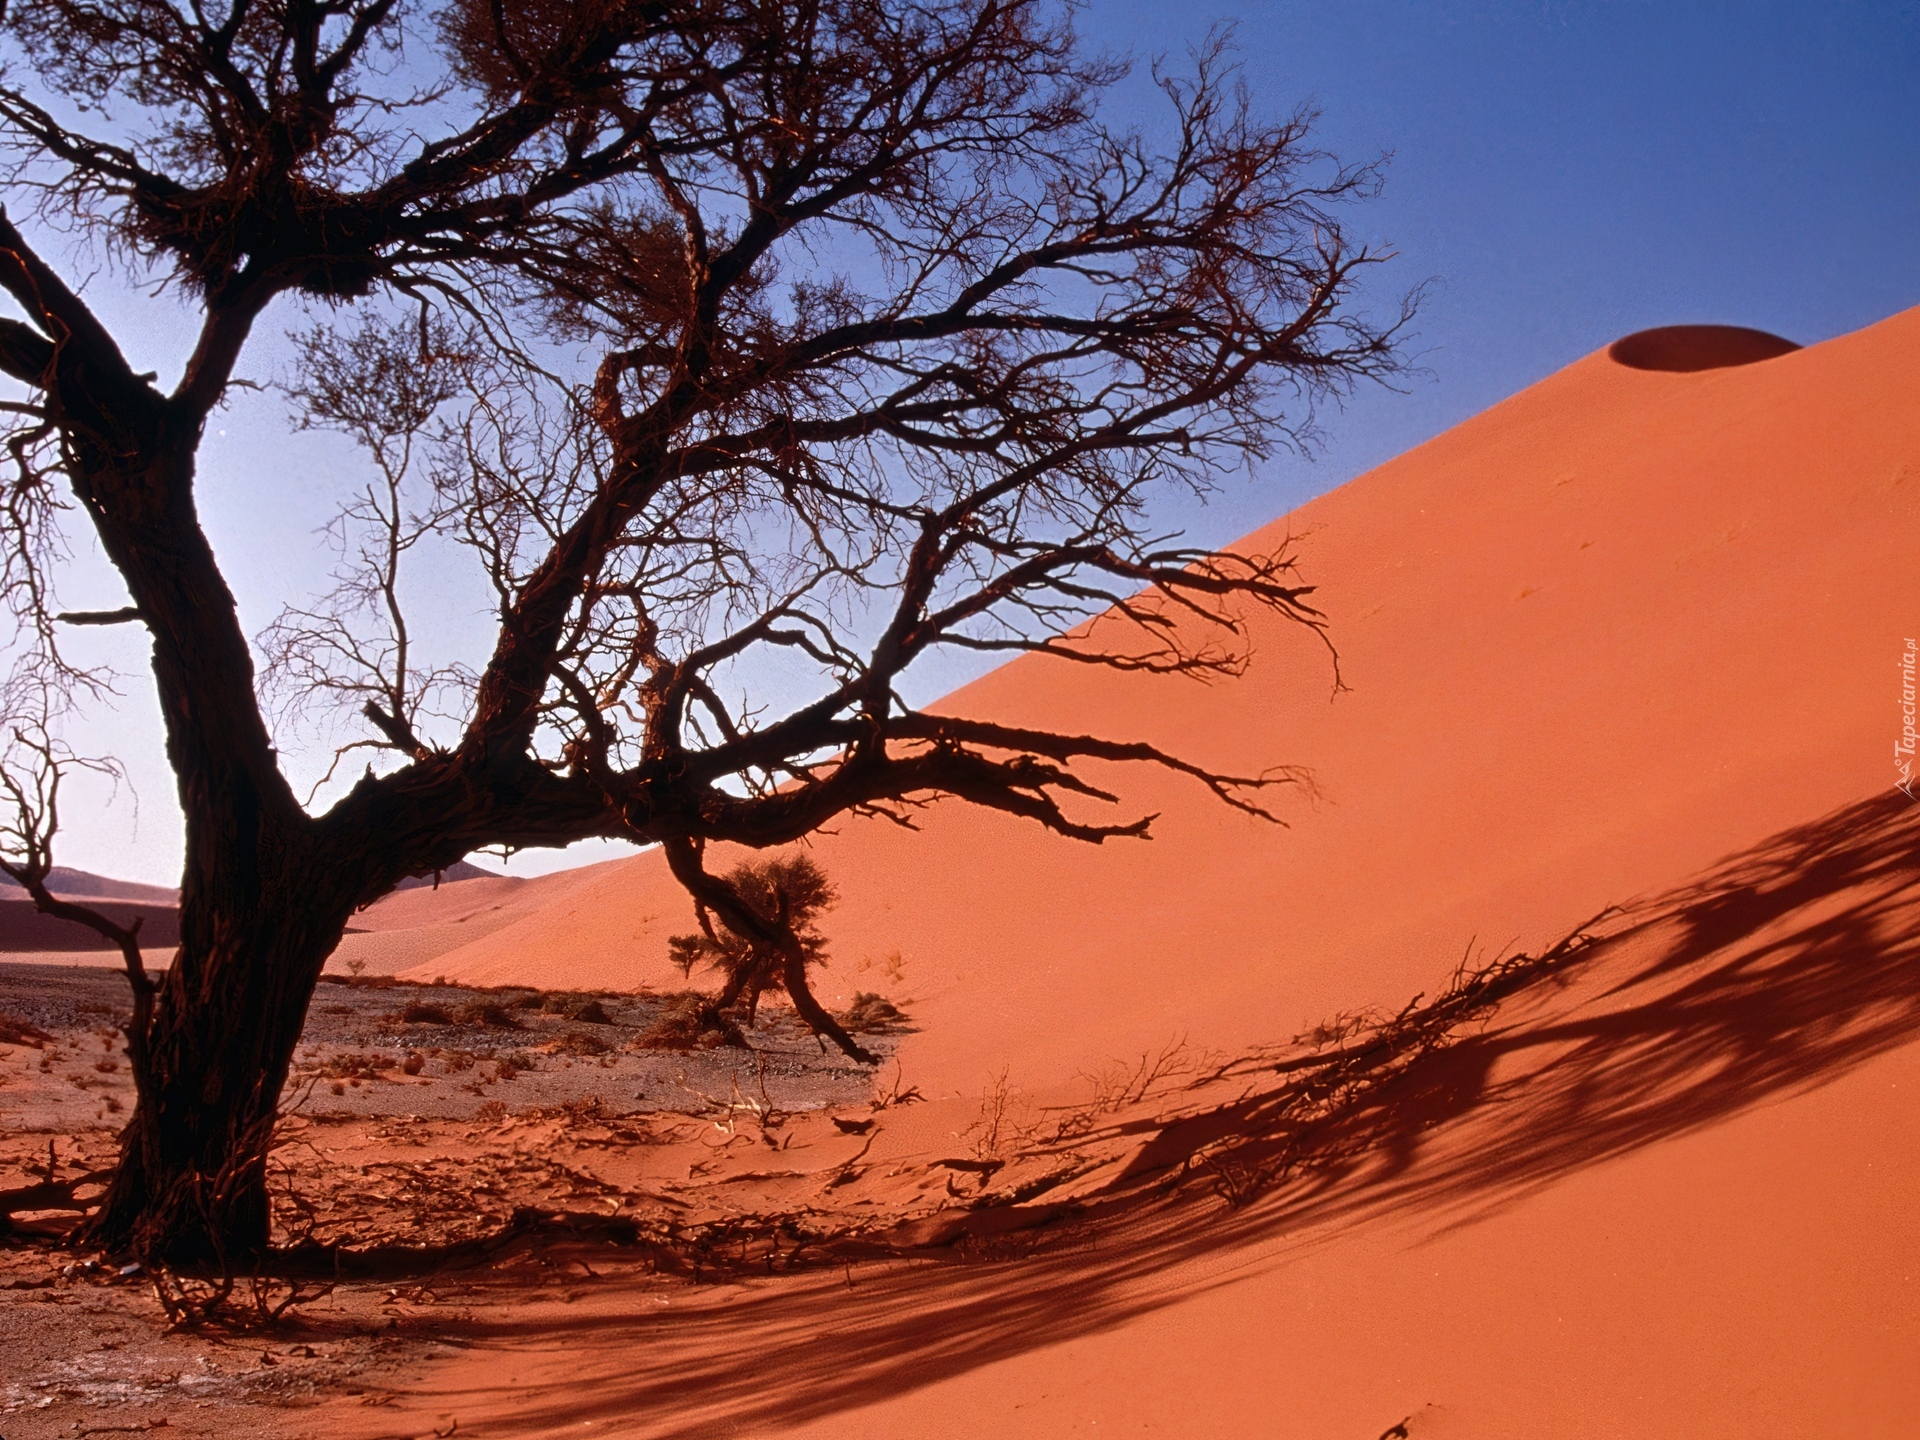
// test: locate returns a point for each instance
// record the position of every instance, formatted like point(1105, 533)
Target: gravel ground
point(473, 1052)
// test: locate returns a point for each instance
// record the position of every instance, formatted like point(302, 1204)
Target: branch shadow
point(1780, 970)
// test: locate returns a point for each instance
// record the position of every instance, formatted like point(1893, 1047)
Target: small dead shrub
point(591, 1013)
point(690, 1021)
point(581, 1111)
point(492, 1112)
point(355, 1066)
point(419, 1012)
point(579, 1042)
point(532, 1000)
point(871, 1012)
point(15, 1031)
point(488, 1012)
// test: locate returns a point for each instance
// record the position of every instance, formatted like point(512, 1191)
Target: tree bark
point(265, 893)
point(191, 1188)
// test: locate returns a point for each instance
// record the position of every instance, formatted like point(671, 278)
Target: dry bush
point(579, 1042)
point(513, 1065)
point(872, 1013)
point(355, 1066)
point(788, 892)
point(419, 1012)
point(487, 1012)
point(591, 1013)
point(994, 1126)
point(690, 1021)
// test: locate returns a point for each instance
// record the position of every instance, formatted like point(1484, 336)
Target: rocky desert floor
point(541, 1184)
point(420, 1117)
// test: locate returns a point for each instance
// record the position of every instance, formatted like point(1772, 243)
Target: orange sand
point(1638, 622)
point(1594, 639)
point(1621, 626)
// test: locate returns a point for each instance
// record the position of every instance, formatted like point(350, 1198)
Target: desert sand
point(1620, 652)
point(1619, 628)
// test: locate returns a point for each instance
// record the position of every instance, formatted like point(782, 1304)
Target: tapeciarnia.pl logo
point(1903, 747)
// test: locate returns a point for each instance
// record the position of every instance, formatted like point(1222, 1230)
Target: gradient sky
point(1565, 173)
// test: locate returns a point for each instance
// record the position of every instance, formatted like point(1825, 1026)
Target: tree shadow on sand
point(1782, 969)
point(1778, 971)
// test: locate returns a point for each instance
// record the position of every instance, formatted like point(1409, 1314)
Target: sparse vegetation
point(690, 1021)
point(18, 1032)
point(487, 1012)
point(871, 1013)
point(786, 895)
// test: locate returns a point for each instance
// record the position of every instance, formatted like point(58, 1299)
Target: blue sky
point(1565, 173)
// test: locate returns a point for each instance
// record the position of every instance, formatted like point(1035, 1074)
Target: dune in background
point(1593, 640)
point(1630, 638)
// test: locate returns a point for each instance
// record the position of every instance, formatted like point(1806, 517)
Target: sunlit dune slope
point(1631, 637)
point(1593, 639)
point(1664, 1191)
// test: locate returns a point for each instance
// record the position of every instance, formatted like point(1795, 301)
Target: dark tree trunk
point(793, 974)
point(191, 1187)
point(263, 899)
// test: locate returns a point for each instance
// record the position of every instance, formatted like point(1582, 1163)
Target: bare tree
point(889, 338)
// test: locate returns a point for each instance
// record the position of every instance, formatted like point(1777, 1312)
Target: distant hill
point(23, 928)
point(459, 871)
point(83, 884)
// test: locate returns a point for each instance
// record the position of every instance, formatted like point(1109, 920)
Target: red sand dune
point(83, 885)
point(412, 927)
point(1629, 625)
point(27, 934)
point(1594, 639)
